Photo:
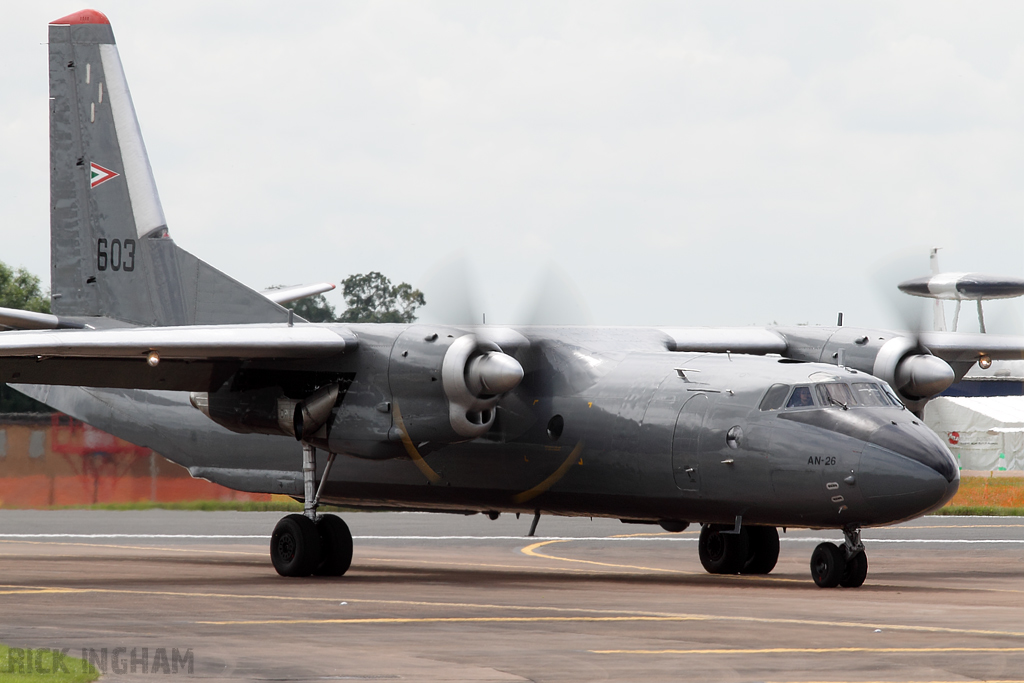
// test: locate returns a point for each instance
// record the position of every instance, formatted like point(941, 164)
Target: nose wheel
point(846, 565)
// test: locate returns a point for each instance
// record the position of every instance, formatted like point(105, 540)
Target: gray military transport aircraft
point(742, 430)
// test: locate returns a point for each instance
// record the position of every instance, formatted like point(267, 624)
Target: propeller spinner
point(475, 373)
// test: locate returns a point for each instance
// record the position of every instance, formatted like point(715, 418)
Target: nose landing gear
point(845, 565)
point(311, 543)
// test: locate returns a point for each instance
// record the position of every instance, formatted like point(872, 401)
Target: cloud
point(681, 163)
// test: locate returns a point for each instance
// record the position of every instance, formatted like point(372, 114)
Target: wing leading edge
point(190, 358)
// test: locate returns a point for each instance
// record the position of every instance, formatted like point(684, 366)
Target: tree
point(21, 289)
point(371, 298)
point(315, 309)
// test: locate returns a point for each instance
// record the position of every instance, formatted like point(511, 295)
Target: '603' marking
point(115, 254)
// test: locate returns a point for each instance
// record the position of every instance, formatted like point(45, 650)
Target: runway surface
point(452, 598)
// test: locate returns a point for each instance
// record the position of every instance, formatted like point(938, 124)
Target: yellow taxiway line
point(602, 614)
point(811, 650)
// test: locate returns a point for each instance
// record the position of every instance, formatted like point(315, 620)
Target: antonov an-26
point(742, 430)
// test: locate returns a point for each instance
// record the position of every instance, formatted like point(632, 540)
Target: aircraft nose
point(899, 487)
point(917, 442)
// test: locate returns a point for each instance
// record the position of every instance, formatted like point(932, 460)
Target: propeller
point(905, 361)
point(453, 289)
point(554, 299)
point(478, 370)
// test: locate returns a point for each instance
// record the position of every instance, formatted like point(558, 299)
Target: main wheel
point(336, 546)
point(723, 553)
point(856, 571)
point(295, 546)
point(827, 565)
point(763, 551)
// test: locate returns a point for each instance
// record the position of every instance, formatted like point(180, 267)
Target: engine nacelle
point(909, 368)
point(912, 370)
point(269, 411)
point(448, 392)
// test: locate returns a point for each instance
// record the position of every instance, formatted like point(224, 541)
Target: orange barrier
point(54, 461)
point(1005, 492)
point(41, 491)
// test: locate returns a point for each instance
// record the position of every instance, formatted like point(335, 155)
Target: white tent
point(983, 432)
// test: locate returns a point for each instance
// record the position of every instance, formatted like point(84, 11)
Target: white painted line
point(130, 536)
point(525, 539)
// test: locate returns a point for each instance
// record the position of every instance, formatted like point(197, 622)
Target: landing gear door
point(686, 443)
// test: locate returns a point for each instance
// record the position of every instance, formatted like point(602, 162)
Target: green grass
point(981, 510)
point(78, 671)
point(206, 505)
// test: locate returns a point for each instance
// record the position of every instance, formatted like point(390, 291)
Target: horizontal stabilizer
point(30, 320)
point(285, 295)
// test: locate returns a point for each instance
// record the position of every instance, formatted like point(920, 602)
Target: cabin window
point(775, 398)
point(835, 394)
point(869, 394)
point(801, 398)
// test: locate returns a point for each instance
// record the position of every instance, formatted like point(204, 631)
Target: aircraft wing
point(962, 347)
point(189, 358)
point(753, 340)
point(952, 347)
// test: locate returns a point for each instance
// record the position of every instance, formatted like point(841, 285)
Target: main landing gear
point(310, 543)
point(747, 550)
point(845, 565)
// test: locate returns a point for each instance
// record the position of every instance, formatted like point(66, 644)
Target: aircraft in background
point(961, 287)
point(740, 429)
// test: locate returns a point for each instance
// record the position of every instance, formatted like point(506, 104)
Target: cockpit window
point(892, 396)
point(835, 394)
point(870, 395)
point(801, 398)
point(775, 398)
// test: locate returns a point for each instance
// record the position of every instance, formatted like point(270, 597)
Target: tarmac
point(453, 598)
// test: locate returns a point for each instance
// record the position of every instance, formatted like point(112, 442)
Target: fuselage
point(606, 422)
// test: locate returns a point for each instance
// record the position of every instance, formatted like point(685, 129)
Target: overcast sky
point(681, 163)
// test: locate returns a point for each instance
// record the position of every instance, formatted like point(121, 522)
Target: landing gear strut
point(845, 565)
point(311, 543)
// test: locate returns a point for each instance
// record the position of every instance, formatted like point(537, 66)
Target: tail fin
point(111, 254)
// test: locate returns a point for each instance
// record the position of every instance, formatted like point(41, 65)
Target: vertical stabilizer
point(111, 254)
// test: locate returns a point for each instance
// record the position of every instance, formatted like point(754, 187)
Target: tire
point(336, 546)
point(856, 571)
point(763, 551)
point(723, 553)
point(295, 546)
point(827, 565)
